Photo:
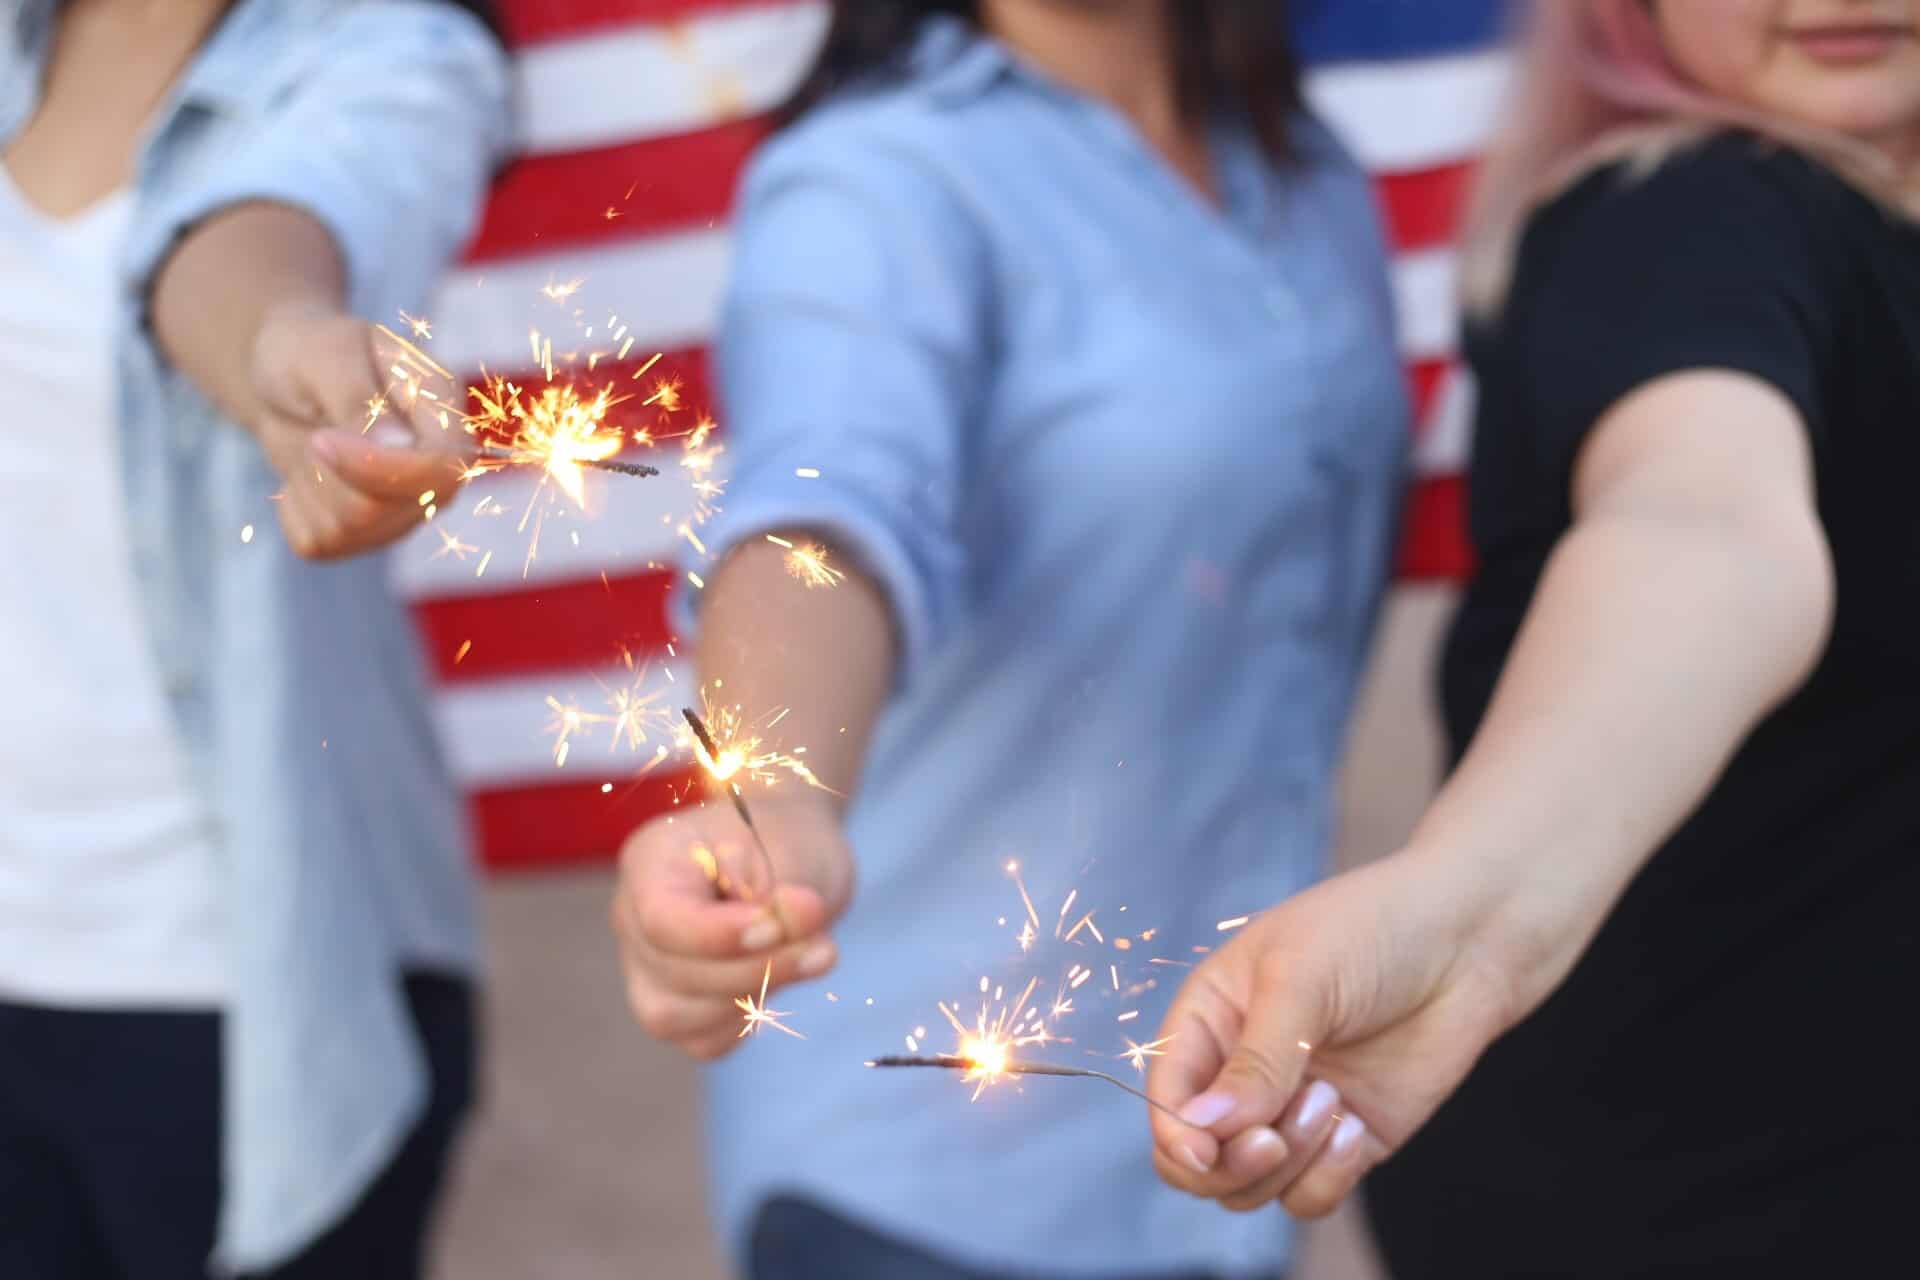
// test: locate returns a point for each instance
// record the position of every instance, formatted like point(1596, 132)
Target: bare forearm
point(825, 654)
point(1651, 650)
point(215, 291)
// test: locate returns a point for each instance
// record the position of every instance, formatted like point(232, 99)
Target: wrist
point(1516, 916)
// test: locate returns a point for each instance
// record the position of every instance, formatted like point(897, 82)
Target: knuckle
point(1311, 1200)
point(1253, 1063)
point(647, 1006)
point(710, 1049)
point(357, 511)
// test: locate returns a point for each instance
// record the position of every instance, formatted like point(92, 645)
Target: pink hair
point(1594, 85)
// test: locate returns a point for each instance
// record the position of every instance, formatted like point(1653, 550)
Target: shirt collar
point(227, 68)
point(955, 61)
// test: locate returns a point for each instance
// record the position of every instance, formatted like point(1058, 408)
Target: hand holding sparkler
point(1316, 1041)
point(694, 922)
point(362, 427)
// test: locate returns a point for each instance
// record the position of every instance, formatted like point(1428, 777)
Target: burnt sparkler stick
point(1017, 1067)
point(598, 464)
point(712, 751)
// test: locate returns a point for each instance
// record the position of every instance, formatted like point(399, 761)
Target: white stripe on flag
point(1424, 296)
point(1445, 444)
point(499, 733)
point(669, 290)
point(629, 525)
point(647, 80)
point(1403, 116)
point(666, 289)
point(650, 79)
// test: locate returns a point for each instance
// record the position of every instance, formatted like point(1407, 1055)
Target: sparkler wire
point(712, 749)
point(598, 464)
point(1016, 1067)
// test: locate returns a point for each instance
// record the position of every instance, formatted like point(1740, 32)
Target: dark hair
point(1233, 54)
point(485, 10)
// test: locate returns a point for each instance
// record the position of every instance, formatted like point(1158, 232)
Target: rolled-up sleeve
point(386, 127)
point(852, 346)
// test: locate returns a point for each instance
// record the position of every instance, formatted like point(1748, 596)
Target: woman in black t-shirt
point(1637, 997)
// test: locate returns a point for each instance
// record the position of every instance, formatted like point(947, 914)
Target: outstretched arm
point(1691, 596)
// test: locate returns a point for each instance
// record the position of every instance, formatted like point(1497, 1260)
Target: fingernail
point(760, 935)
point(1194, 1162)
point(1346, 1134)
point(816, 958)
point(1263, 1140)
point(391, 435)
point(1318, 1104)
point(324, 448)
point(1207, 1109)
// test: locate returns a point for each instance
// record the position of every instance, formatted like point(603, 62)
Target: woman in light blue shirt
point(236, 928)
point(1066, 332)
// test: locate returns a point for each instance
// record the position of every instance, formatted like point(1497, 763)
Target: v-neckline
point(72, 224)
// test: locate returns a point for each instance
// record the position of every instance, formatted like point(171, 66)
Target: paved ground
point(585, 1164)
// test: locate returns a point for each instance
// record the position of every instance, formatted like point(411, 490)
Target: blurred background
point(636, 116)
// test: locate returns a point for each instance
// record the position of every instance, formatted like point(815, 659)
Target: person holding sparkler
point(1629, 1001)
point(235, 926)
point(1063, 333)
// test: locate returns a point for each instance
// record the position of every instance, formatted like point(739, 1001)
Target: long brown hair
point(1233, 54)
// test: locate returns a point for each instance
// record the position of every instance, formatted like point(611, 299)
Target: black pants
point(110, 1147)
point(796, 1239)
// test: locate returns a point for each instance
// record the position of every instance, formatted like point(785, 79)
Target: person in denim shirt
point(1067, 332)
point(236, 927)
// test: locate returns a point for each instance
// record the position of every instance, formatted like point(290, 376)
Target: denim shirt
point(1127, 466)
point(298, 687)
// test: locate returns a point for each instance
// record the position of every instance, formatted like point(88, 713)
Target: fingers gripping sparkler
point(722, 766)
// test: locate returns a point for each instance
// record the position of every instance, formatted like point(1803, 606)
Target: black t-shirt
point(1728, 1082)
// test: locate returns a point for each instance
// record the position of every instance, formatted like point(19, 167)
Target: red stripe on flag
point(613, 194)
point(1434, 544)
point(1425, 378)
point(536, 827)
point(546, 627)
point(527, 22)
point(1423, 208)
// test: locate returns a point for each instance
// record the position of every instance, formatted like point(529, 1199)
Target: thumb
point(1285, 1017)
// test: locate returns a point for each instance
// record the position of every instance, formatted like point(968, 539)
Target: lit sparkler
point(553, 428)
point(722, 766)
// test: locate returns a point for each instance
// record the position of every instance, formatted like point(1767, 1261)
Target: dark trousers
point(796, 1239)
point(110, 1147)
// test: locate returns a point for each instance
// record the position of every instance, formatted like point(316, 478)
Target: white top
point(106, 853)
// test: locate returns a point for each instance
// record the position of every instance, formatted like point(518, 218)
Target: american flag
point(635, 119)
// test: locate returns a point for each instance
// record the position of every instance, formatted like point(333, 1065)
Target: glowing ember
point(988, 1057)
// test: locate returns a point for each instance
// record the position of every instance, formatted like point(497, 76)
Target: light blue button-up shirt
point(299, 687)
point(1127, 465)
